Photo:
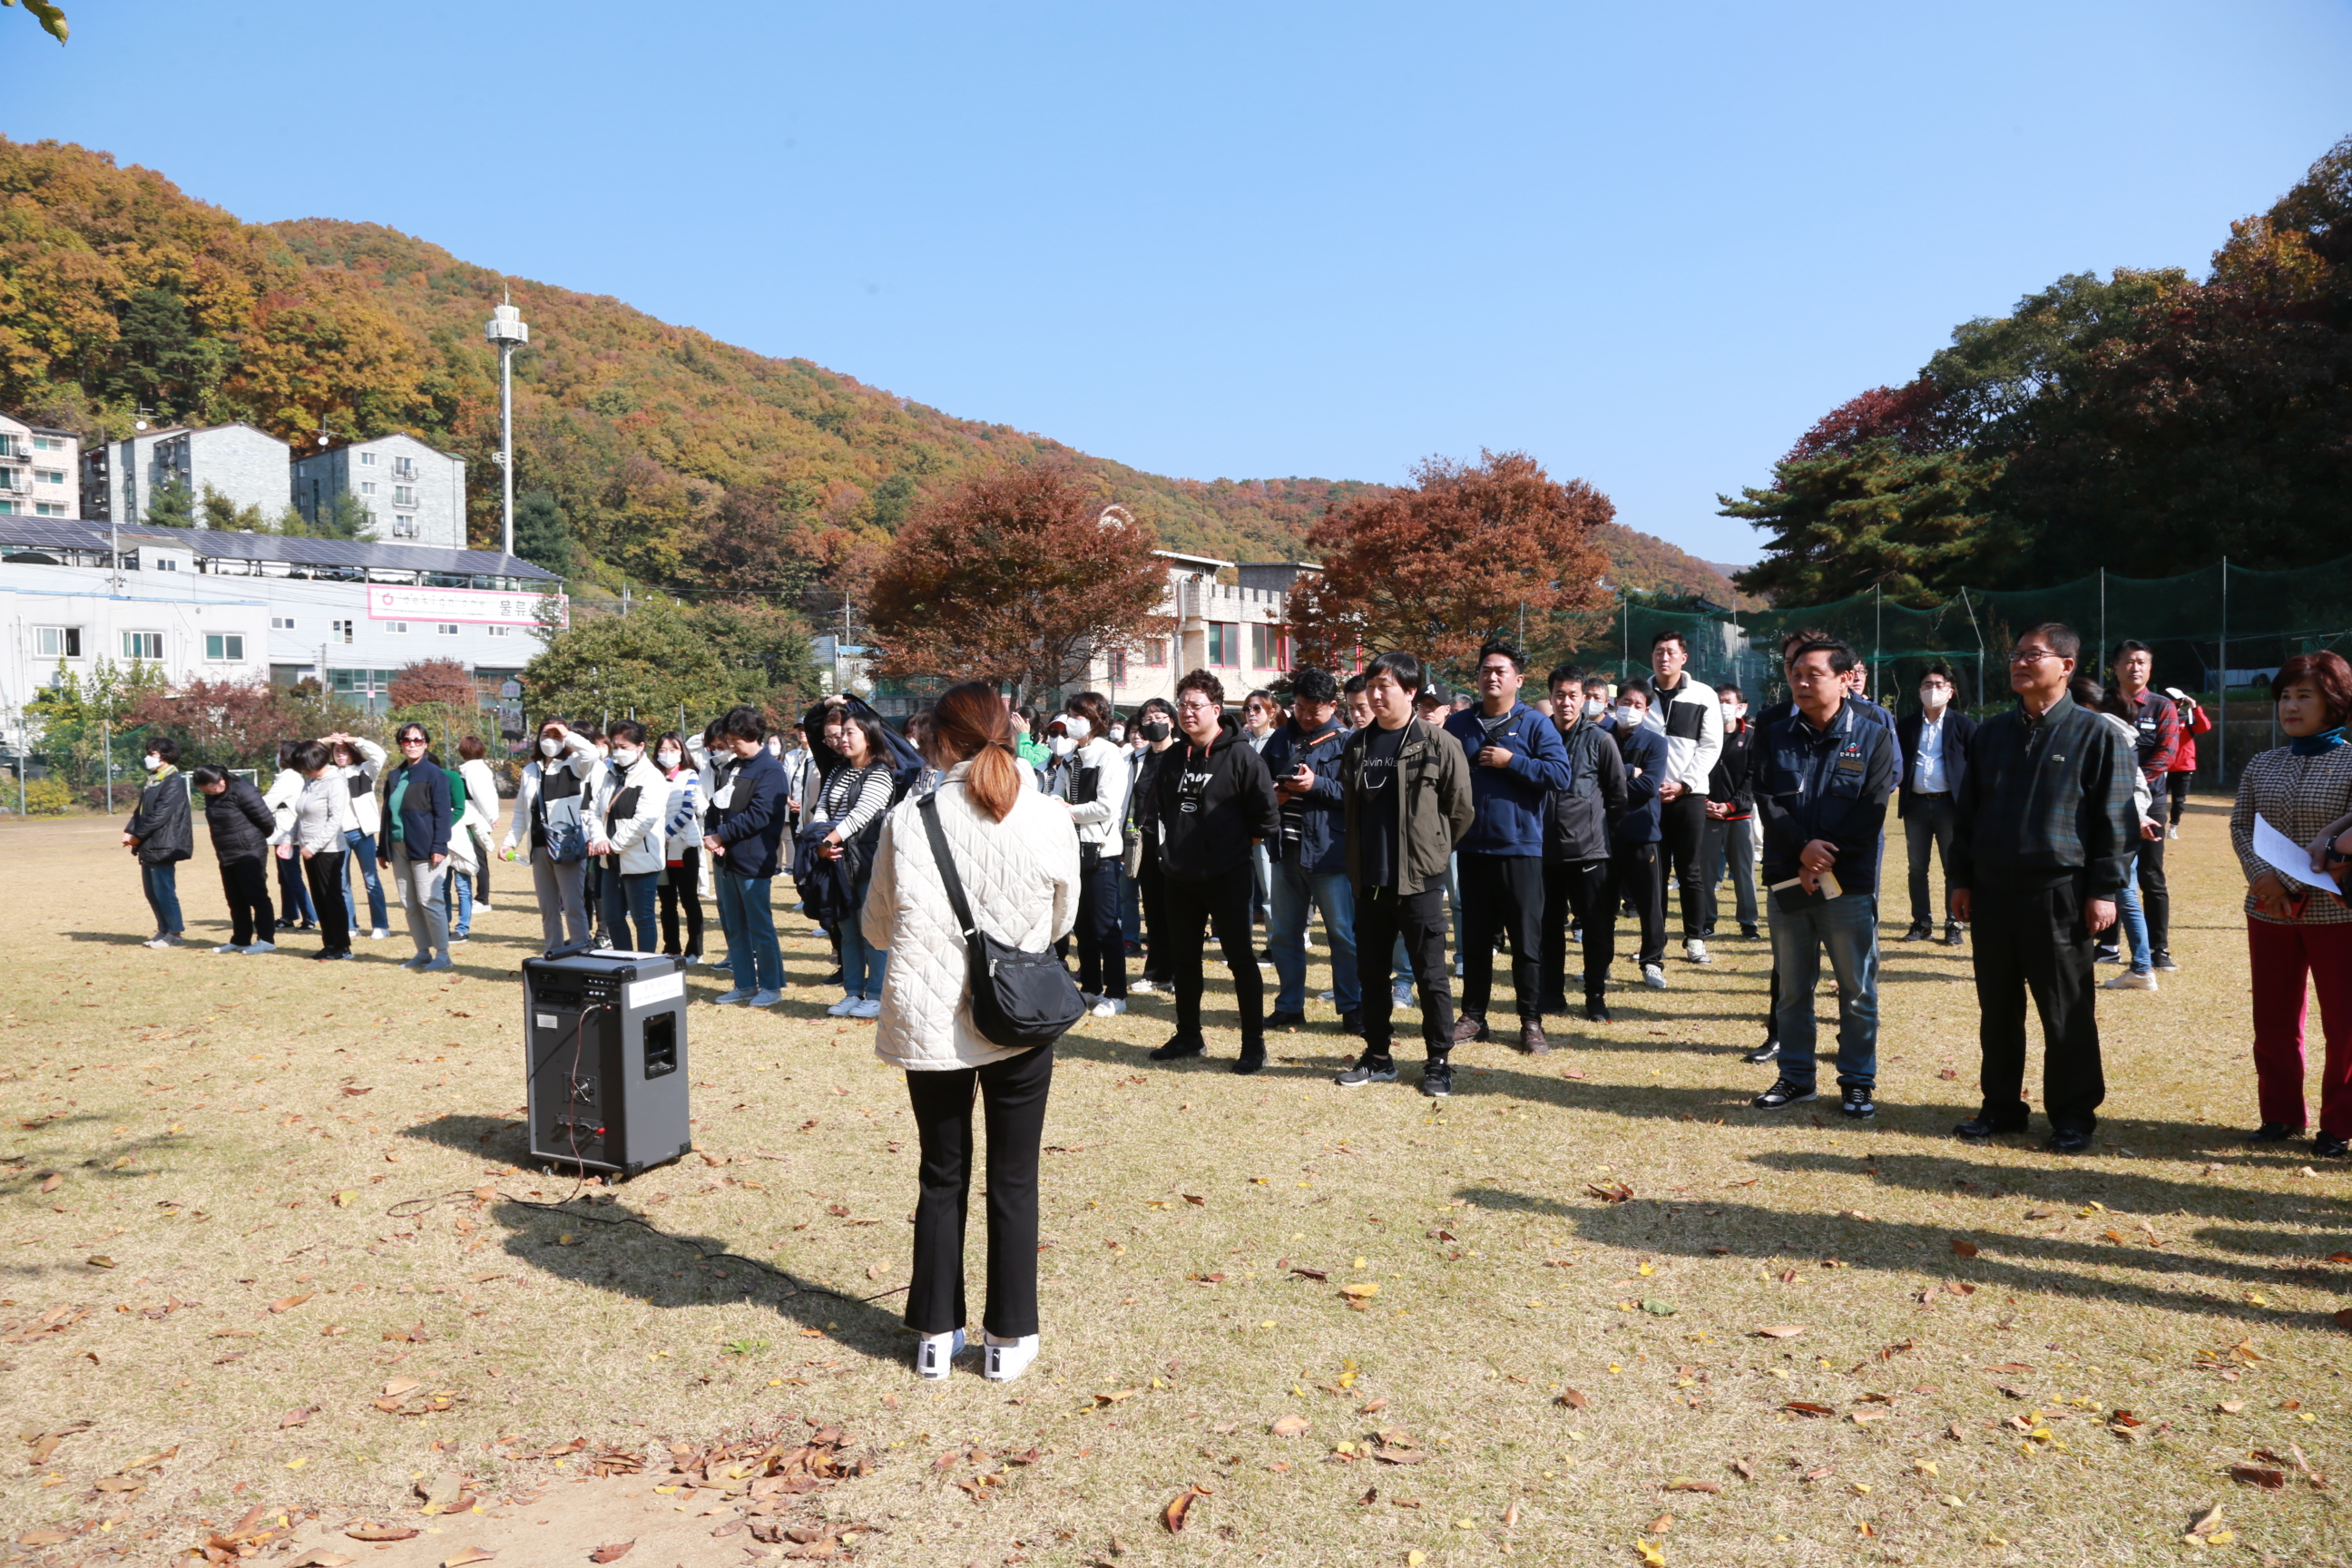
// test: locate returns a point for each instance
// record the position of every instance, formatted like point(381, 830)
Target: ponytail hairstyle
point(969, 724)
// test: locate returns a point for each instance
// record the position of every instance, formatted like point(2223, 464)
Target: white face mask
point(1935, 696)
point(153, 762)
point(1628, 716)
point(549, 746)
point(1594, 708)
point(628, 755)
point(670, 760)
point(1117, 733)
point(1061, 745)
point(1732, 711)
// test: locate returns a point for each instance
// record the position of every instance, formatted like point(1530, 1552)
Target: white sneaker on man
point(1695, 950)
point(1107, 1006)
point(380, 934)
point(1140, 987)
point(1400, 993)
point(224, 947)
point(843, 1008)
point(261, 947)
point(867, 1007)
point(2132, 980)
point(934, 1351)
point(1007, 1358)
point(1654, 975)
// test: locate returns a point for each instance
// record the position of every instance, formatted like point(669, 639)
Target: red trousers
point(2283, 955)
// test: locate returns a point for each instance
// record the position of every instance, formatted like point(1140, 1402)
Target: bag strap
point(941, 853)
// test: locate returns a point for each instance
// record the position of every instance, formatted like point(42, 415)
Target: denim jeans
point(861, 963)
point(1729, 844)
point(457, 902)
point(753, 956)
point(629, 901)
point(1297, 894)
point(162, 886)
point(2131, 914)
point(1848, 927)
point(362, 860)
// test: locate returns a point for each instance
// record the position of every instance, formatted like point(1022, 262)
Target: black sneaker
point(1918, 934)
point(1596, 1009)
point(1783, 1094)
point(1437, 1079)
point(2274, 1132)
point(1769, 1051)
point(1854, 1100)
point(2106, 954)
point(1177, 1049)
point(2163, 961)
point(1956, 935)
point(1352, 1023)
point(2071, 1140)
point(1555, 1002)
point(1252, 1058)
point(2328, 1146)
point(1987, 1124)
point(1751, 934)
point(1286, 1021)
point(1369, 1069)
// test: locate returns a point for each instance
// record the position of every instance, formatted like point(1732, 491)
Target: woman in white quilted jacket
point(1017, 856)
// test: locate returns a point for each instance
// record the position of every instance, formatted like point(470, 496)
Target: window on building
point(446, 628)
point(367, 487)
point(404, 495)
point(499, 631)
point(367, 459)
point(56, 642)
point(281, 622)
point(142, 645)
point(1269, 648)
point(1155, 651)
point(397, 628)
point(1117, 660)
point(10, 508)
point(1225, 645)
point(403, 467)
point(48, 444)
point(339, 631)
point(48, 509)
point(163, 563)
point(404, 525)
point(224, 647)
point(48, 476)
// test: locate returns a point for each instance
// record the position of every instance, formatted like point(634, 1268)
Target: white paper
point(2284, 856)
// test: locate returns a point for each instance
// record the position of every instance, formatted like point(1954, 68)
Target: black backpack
point(1019, 998)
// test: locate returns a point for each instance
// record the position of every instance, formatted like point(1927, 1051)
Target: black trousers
point(1637, 875)
point(1013, 1099)
point(681, 886)
point(2177, 785)
point(1683, 820)
point(1928, 829)
point(245, 883)
point(2033, 942)
point(1382, 919)
point(1502, 895)
point(324, 872)
point(1102, 943)
point(1151, 892)
point(1576, 890)
point(1195, 909)
point(2155, 895)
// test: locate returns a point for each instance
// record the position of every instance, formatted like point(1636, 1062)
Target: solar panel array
point(20, 533)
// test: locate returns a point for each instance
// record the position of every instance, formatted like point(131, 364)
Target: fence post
point(106, 742)
point(2221, 697)
point(2101, 669)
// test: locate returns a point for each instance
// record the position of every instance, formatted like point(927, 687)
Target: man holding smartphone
point(1309, 859)
point(1822, 771)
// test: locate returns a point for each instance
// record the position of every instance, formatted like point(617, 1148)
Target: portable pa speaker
point(604, 1050)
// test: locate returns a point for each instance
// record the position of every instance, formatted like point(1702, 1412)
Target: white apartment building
point(1238, 631)
point(39, 470)
point(418, 493)
point(249, 466)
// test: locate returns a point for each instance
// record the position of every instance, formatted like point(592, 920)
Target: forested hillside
point(669, 457)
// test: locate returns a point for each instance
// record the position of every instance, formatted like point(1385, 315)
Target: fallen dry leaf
point(1179, 1511)
point(1963, 1249)
point(1573, 1399)
point(1780, 1332)
point(1807, 1408)
point(470, 1554)
point(612, 1553)
point(1361, 1289)
point(319, 1557)
point(300, 1415)
point(1290, 1426)
point(380, 1532)
point(287, 1303)
point(1685, 1484)
point(2258, 1476)
point(1373, 1406)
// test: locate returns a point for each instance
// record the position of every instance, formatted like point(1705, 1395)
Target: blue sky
point(1649, 244)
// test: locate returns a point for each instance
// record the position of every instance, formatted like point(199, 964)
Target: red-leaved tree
point(1440, 568)
point(1017, 575)
point(433, 683)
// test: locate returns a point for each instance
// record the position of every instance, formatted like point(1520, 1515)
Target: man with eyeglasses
point(1214, 805)
point(2043, 841)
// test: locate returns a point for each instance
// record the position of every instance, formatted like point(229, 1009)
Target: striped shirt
point(2300, 796)
point(853, 797)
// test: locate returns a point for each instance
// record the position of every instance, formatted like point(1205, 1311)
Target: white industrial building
point(249, 466)
point(416, 492)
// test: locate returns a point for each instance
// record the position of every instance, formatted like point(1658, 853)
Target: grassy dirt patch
point(272, 1272)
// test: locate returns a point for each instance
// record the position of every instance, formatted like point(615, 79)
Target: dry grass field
point(271, 1268)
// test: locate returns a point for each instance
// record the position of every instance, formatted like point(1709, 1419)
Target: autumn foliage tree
point(1016, 575)
point(1459, 558)
point(433, 683)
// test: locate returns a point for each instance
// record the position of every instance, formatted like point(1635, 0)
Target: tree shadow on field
point(1694, 1227)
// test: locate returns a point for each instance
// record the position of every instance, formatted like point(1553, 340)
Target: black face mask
point(1154, 731)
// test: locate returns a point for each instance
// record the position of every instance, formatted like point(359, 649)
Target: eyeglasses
point(1191, 707)
point(2030, 655)
point(412, 740)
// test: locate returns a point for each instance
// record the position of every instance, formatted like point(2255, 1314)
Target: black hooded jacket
point(1210, 808)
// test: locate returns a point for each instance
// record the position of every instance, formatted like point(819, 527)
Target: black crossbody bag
point(1019, 998)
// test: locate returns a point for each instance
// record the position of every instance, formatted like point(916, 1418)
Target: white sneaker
point(2132, 980)
point(740, 994)
point(380, 934)
point(1107, 1006)
point(867, 1007)
point(934, 1351)
point(1695, 951)
point(1400, 993)
point(1326, 996)
point(1140, 987)
point(764, 998)
point(1007, 1358)
point(224, 947)
point(485, 907)
point(1654, 975)
point(843, 1008)
point(262, 947)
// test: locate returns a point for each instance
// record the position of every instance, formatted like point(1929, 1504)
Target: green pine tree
point(542, 536)
point(169, 506)
point(1874, 517)
point(344, 516)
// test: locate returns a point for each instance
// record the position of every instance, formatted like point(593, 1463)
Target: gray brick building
point(249, 466)
point(416, 492)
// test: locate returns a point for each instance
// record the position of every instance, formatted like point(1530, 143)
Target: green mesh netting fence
point(2218, 632)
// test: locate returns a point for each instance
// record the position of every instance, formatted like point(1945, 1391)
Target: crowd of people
point(1419, 836)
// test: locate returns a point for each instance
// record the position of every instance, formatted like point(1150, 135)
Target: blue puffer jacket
point(1322, 846)
point(1512, 802)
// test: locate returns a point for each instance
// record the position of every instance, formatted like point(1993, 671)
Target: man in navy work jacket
point(1823, 772)
point(744, 832)
point(1311, 859)
point(1517, 763)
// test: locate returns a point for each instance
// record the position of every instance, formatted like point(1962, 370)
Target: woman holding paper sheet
point(2297, 922)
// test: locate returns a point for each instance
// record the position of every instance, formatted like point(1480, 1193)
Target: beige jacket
point(1021, 876)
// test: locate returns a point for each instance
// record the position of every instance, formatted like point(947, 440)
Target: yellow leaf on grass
point(1652, 1557)
point(343, 1199)
point(1361, 1288)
